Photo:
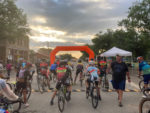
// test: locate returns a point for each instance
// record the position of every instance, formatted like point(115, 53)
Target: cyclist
point(53, 68)
point(62, 78)
point(79, 69)
point(145, 67)
point(93, 73)
point(22, 82)
point(6, 91)
point(102, 66)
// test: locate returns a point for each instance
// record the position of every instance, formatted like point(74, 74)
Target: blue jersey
point(53, 67)
point(93, 71)
point(23, 64)
point(145, 67)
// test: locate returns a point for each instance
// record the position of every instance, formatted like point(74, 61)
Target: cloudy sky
point(71, 22)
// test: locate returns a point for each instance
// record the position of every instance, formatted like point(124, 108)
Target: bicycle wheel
point(87, 94)
point(61, 101)
point(94, 96)
point(144, 106)
point(29, 88)
point(14, 107)
point(141, 85)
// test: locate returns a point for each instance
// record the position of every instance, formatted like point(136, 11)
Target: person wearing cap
point(145, 68)
point(93, 73)
point(120, 71)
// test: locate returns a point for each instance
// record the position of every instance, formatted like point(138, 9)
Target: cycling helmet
point(79, 61)
point(91, 63)
point(139, 58)
point(62, 63)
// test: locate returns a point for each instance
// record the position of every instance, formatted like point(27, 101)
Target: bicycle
point(10, 106)
point(63, 94)
point(93, 93)
point(141, 84)
point(43, 81)
point(143, 106)
point(53, 77)
point(105, 83)
point(29, 80)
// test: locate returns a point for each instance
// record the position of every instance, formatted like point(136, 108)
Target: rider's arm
point(7, 92)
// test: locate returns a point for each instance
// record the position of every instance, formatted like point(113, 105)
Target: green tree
point(13, 22)
point(66, 56)
point(44, 51)
point(138, 21)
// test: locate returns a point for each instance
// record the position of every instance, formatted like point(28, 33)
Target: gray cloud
point(76, 16)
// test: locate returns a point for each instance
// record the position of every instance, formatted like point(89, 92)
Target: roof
point(114, 51)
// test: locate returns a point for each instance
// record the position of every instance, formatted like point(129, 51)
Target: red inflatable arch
point(70, 48)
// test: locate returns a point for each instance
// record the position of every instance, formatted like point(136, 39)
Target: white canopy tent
point(114, 51)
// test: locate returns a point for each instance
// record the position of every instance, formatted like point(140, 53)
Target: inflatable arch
point(70, 48)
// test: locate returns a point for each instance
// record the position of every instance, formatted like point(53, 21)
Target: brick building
point(14, 50)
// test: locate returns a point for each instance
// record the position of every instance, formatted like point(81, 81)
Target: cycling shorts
point(64, 80)
point(146, 79)
point(21, 85)
point(79, 71)
point(90, 81)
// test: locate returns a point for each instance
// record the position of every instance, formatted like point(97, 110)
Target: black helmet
point(79, 61)
point(62, 63)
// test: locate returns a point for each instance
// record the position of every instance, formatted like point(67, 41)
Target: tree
point(138, 20)
point(45, 51)
point(13, 22)
point(66, 57)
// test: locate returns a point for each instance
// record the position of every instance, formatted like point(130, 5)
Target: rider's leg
point(25, 96)
point(58, 85)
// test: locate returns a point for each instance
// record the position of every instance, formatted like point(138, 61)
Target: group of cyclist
point(63, 72)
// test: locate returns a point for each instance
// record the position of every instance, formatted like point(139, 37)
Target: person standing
point(8, 68)
point(145, 68)
point(120, 71)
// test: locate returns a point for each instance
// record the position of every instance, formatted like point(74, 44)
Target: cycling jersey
point(43, 68)
point(143, 66)
point(93, 72)
point(80, 66)
point(61, 71)
point(21, 73)
point(43, 64)
point(53, 67)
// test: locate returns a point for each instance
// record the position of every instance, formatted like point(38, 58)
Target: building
point(14, 50)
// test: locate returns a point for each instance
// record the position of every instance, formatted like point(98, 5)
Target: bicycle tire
point(81, 82)
point(61, 98)
point(142, 103)
point(29, 92)
point(19, 107)
point(94, 96)
point(145, 91)
point(87, 94)
point(140, 85)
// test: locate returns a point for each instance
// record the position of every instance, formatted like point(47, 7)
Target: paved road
point(39, 103)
